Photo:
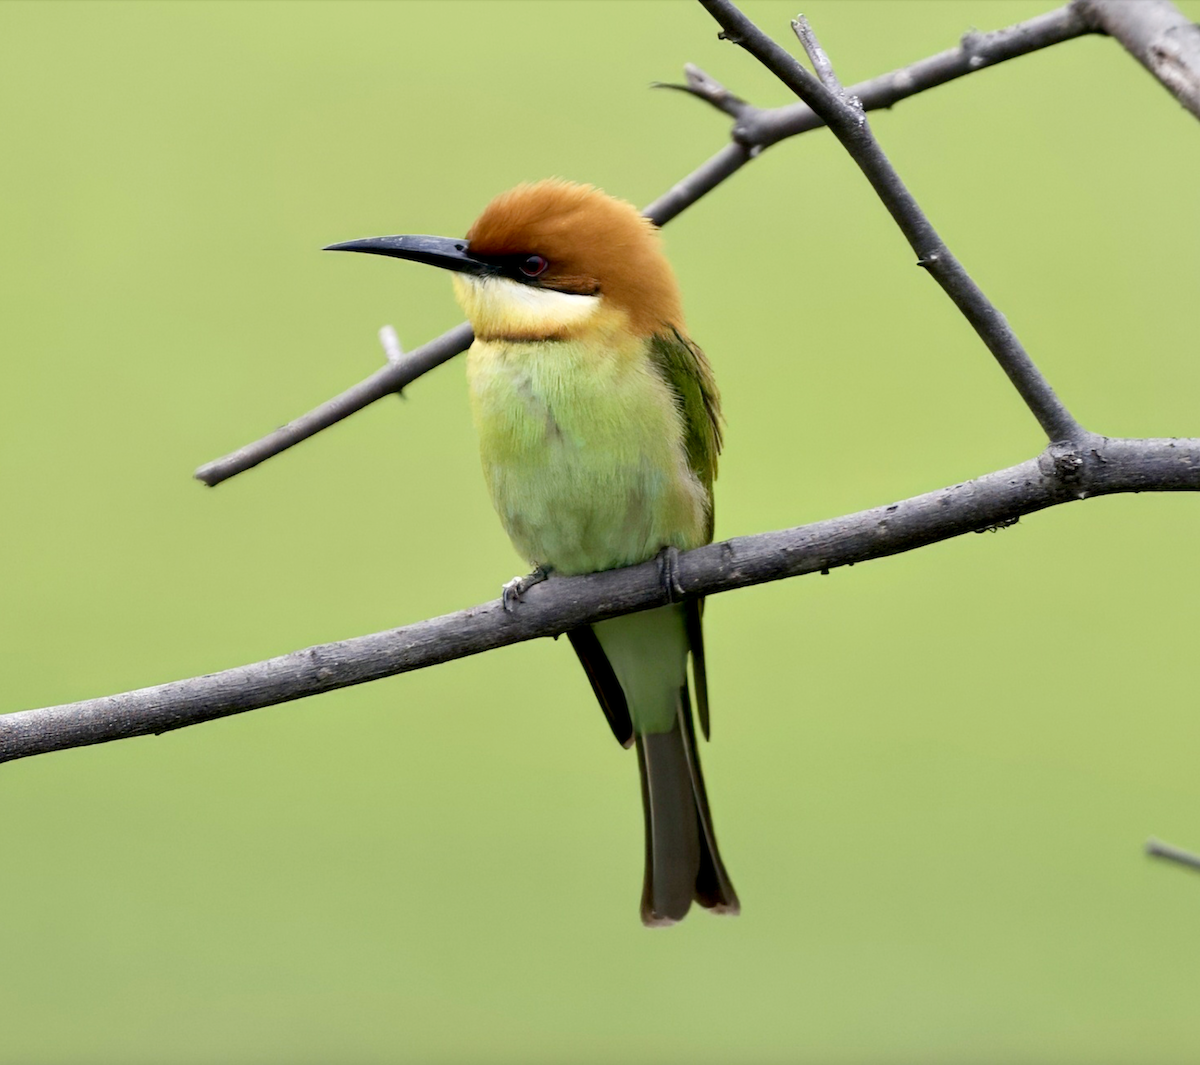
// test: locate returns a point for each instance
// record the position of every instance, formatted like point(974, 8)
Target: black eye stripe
point(522, 267)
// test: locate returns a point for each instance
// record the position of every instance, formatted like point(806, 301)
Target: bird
point(599, 424)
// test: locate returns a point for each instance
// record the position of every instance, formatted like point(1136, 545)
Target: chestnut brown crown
point(592, 243)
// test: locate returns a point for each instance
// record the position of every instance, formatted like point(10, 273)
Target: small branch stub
point(1156, 848)
point(816, 54)
point(392, 350)
point(705, 87)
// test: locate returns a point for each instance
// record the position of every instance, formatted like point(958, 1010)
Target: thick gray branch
point(1064, 472)
point(1159, 36)
point(755, 129)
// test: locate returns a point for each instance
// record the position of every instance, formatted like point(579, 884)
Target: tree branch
point(1159, 36)
point(1064, 472)
point(845, 117)
point(754, 130)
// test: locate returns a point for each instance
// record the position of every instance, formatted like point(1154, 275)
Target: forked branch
point(844, 115)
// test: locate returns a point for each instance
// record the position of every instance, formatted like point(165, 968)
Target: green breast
point(583, 452)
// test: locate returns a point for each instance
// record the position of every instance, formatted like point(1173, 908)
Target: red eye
point(534, 266)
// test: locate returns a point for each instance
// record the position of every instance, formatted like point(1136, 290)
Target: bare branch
point(1064, 472)
point(1159, 36)
point(1155, 848)
point(701, 181)
point(754, 129)
point(384, 381)
point(849, 124)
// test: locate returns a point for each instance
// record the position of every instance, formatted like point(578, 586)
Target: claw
point(668, 573)
point(514, 591)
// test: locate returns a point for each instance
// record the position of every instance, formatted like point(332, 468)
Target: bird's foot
point(514, 591)
point(668, 573)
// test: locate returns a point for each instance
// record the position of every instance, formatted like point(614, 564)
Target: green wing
point(685, 368)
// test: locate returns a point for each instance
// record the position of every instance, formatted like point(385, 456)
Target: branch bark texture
point(1061, 474)
point(1159, 36)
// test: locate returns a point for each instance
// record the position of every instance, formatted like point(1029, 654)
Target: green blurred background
point(932, 774)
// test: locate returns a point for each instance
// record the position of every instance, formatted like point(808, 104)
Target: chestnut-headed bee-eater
point(599, 427)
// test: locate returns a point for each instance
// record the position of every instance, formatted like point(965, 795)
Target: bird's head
point(551, 260)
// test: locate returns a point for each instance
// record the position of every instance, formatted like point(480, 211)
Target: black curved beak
point(447, 252)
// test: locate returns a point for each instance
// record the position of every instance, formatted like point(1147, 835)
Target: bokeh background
point(932, 774)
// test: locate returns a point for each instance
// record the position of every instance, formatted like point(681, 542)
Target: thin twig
point(701, 181)
point(849, 124)
point(1061, 474)
point(705, 87)
point(755, 129)
point(1155, 848)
